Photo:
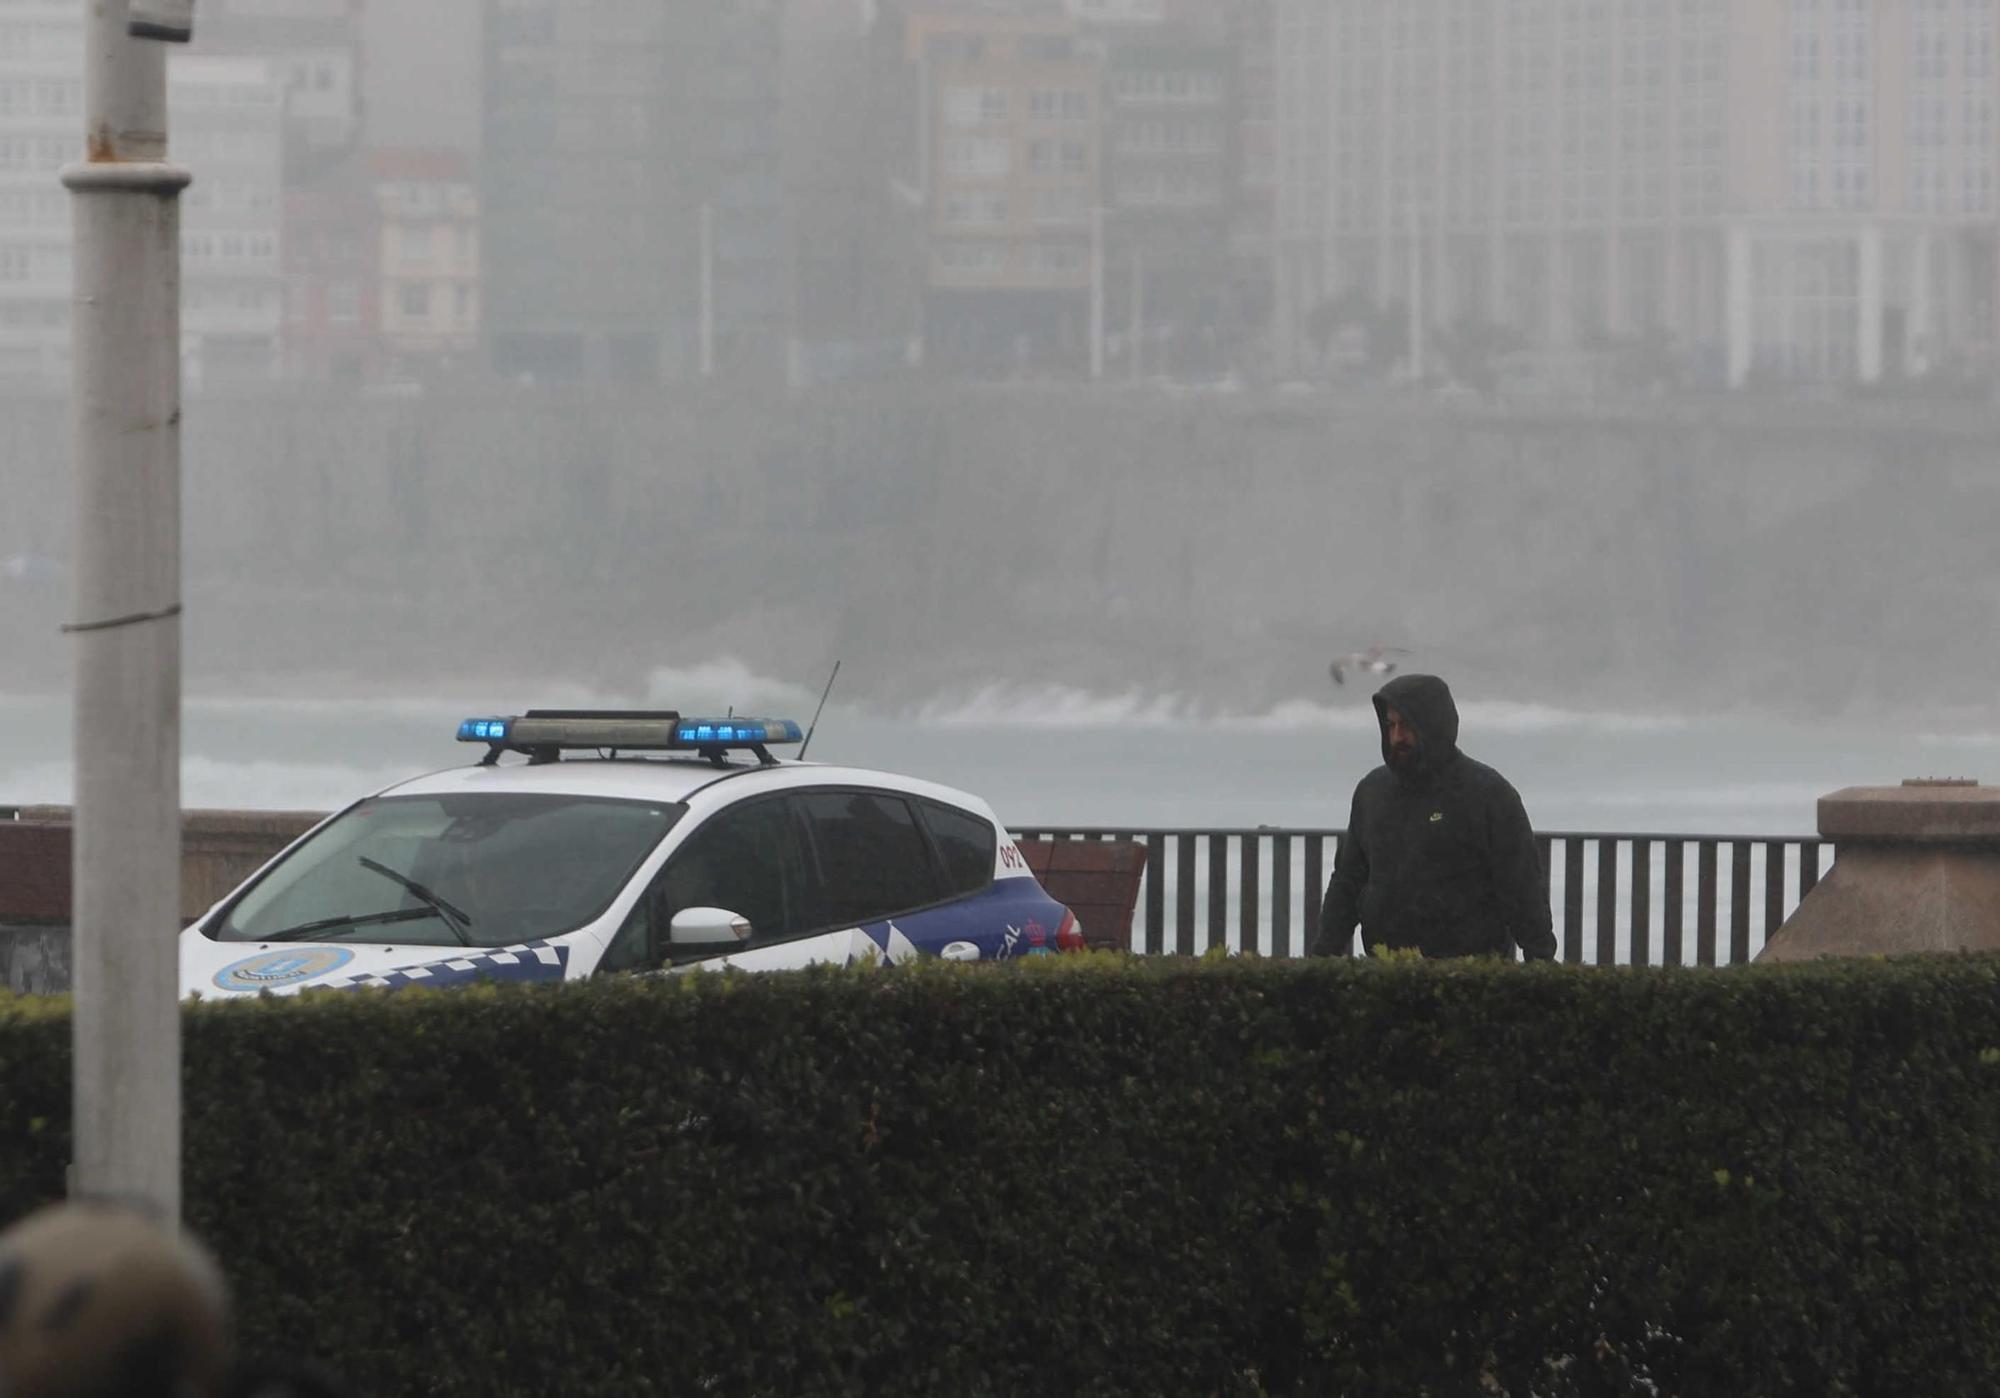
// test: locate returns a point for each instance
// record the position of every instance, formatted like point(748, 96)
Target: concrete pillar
point(1868, 343)
point(1916, 869)
point(1739, 327)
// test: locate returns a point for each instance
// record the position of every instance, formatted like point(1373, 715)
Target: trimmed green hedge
point(1096, 1175)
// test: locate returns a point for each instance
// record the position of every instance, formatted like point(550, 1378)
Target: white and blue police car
point(591, 843)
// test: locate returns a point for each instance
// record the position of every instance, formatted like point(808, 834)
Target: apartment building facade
point(316, 54)
point(632, 189)
point(226, 121)
point(426, 211)
point(226, 115)
point(1253, 37)
point(41, 129)
point(1169, 188)
point(1785, 190)
point(332, 250)
point(1008, 173)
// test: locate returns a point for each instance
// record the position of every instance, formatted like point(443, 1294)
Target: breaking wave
point(725, 685)
point(1056, 706)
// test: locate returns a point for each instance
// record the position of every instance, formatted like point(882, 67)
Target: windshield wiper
point(306, 929)
point(457, 920)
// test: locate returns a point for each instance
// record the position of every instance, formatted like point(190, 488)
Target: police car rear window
point(872, 859)
point(967, 843)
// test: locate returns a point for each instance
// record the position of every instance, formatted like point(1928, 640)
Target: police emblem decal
point(271, 969)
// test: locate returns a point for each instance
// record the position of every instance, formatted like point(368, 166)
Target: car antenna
point(810, 728)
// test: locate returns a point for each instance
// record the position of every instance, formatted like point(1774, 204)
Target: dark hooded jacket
point(1441, 858)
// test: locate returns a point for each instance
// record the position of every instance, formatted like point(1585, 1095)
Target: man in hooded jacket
point(1438, 854)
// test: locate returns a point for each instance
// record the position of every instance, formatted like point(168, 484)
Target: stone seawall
point(1799, 556)
point(219, 849)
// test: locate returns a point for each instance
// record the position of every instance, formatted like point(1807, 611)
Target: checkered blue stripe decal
point(536, 961)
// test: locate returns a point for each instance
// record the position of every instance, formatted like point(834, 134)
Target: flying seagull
point(1373, 660)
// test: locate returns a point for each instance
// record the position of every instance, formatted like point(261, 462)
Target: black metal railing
point(1625, 899)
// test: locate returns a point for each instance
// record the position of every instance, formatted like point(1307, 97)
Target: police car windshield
point(520, 866)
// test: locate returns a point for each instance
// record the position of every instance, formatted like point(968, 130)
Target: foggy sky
point(1334, 437)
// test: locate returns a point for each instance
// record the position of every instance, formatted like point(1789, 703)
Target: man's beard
point(1403, 759)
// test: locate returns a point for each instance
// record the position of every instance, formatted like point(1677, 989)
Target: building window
point(1056, 259)
point(980, 158)
point(1060, 206)
point(414, 299)
point(1176, 85)
point(1173, 137)
point(975, 106)
point(343, 303)
point(1979, 189)
point(970, 257)
point(1059, 104)
point(975, 209)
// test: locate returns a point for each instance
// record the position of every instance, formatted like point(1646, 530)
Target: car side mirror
point(708, 927)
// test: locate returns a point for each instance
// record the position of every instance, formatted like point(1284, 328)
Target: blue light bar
point(735, 732)
point(545, 733)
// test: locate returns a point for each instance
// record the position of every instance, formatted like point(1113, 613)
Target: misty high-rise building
point(314, 48)
point(41, 129)
point(632, 189)
point(427, 210)
point(420, 79)
point(1076, 175)
point(856, 210)
point(1006, 104)
point(1169, 186)
point(332, 255)
point(1254, 214)
point(226, 118)
point(1780, 189)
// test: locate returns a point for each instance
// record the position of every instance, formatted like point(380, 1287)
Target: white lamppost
point(126, 1026)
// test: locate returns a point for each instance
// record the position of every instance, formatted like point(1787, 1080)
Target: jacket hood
point(1425, 702)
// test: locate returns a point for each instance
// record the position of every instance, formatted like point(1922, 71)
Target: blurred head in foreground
point(97, 1301)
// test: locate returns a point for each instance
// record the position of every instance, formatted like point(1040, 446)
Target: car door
point(873, 864)
point(747, 858)
point(869, 863)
